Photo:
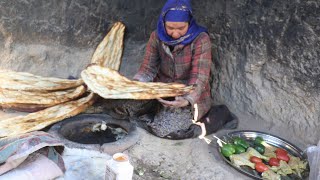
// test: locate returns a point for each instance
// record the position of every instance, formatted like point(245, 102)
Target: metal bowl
point(273, 140)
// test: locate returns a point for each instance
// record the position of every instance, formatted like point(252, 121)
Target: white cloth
point(83, 164)
point(313, 153)
point(35, 167)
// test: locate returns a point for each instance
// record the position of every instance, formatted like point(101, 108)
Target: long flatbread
point(109, 51)
point(45, 98)
point(41, 119)
point(27, 101)
point(12, 80)
point(24, 107)
point(109, 84)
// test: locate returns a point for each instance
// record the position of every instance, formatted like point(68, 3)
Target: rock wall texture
point(268, 61)
point(266, 52)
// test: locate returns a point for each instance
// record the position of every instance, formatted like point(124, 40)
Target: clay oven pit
point(97, 132)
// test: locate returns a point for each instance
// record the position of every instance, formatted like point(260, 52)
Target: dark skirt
point(167, 122)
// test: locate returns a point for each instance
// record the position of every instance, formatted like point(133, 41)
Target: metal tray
point(268, 138)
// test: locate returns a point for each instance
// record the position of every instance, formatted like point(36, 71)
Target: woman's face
point(176, 29)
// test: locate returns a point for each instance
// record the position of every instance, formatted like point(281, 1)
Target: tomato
point(255, 159)
point(260, 167)
point(283, 157)
point(281, 151)
point(274, 162)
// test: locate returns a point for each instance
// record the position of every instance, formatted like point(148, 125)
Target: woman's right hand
point(177, 103)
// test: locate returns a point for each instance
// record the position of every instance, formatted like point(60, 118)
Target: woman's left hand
point(177, 103)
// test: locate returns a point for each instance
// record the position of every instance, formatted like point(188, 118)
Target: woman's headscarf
point(178, 10)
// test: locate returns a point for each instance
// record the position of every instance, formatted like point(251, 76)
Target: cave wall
point(266, 52)
point(268, 61)
point(58, 38)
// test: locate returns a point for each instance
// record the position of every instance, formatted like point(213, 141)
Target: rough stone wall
point(76, 22)
point(57, 38)
point(266, 52)
point(268, 61)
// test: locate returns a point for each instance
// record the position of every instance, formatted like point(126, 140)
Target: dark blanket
point(217, 118)
point(170, 123)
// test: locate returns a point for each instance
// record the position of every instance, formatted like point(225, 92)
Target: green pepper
point(239, 149)
point(227, 150)
point(260, 148)
point(241, 142)
point(258, 140)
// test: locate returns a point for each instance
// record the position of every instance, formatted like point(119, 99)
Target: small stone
point(178, 144)
point(164, 175)
point(140, 171)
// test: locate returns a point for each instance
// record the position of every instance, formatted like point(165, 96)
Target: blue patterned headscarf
point(178, 11)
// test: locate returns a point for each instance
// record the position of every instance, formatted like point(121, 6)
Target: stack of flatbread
point(49, 99)
point(52, 99)
point(27, 92)
point(41, 119)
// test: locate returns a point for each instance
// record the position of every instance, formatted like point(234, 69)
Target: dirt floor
point(155, 158)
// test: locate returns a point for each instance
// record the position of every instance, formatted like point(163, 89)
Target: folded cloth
point(35, 167)
point(84, 164)
point(15, 150)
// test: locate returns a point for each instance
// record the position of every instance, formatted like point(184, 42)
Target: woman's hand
point(177, 103)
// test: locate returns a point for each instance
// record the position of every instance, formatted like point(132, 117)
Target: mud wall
point(266, 52)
